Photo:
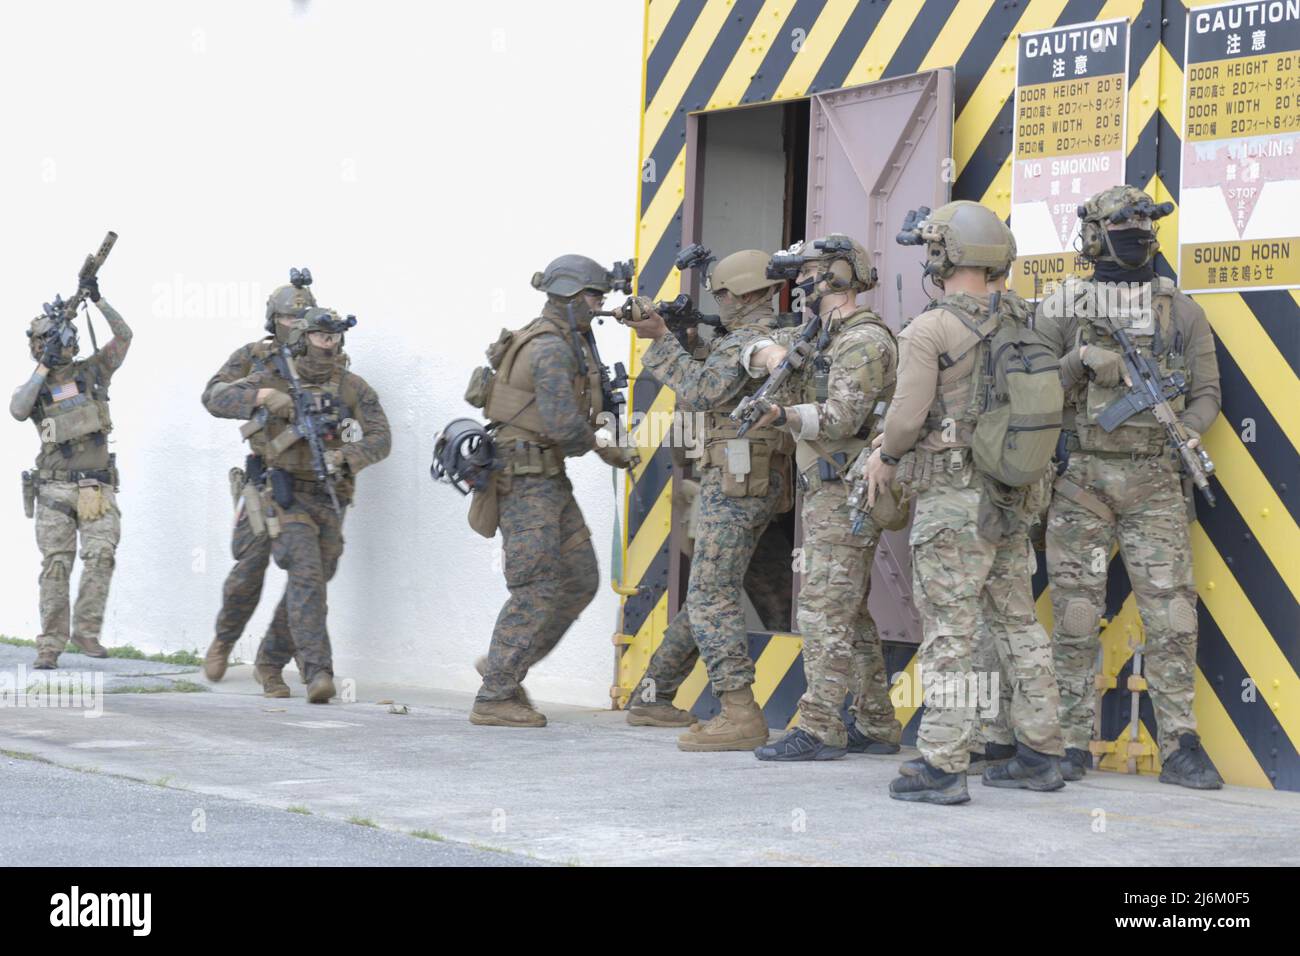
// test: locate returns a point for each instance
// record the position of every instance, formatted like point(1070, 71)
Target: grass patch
point(298, 808)
point(429, 835)
point(19, 755)
point(363, 822)
point(126, 651)
point(172, 687)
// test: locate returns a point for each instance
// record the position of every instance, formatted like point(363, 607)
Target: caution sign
point(1069, 142)
point(1239, 213)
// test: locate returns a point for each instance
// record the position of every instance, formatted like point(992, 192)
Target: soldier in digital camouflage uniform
point(305, 531)
point(75, 480)
point(1124, 485)
point(846, 382)
point(743, 483)
point(251, 550)
point(971, 554)
point(544, 400)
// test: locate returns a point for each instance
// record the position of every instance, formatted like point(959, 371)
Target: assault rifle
point(310, 424)
point(751, 407)
point(1149, 391)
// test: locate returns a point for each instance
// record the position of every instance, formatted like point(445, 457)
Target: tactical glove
point(52, 356)
point(617, 456)
point(278, 404)
point(1107, 366)
point(90, 285)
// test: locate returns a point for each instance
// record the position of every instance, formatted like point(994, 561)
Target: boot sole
point(85, 653)
point(826, 753)
point(933, 796)
point(498, 722)
point(1190, 785)
point(1041, 786)
point(876, 750)
point(276, 694)
point(749, 743)
point(639, 720)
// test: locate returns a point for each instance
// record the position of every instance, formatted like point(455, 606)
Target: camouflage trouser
point(550, 569)
point(1150, 523)
point(994, 723)
point(308, 547)
point(957, 576)
point(841, 649)
point(243, 587)
point(57, 527)
point(711, 622)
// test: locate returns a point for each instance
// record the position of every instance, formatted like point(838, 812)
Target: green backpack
point(1016, 399)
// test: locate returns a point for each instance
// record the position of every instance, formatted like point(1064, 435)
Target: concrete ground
point(587, 789)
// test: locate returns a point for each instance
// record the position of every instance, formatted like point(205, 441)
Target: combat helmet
point(960, 234)
point(846, 262)
point(318, 319)
point(570, 274)
point(290, 301)
point(741, 273)
point(1118, 204)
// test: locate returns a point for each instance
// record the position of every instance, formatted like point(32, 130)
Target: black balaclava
point(1123, 248)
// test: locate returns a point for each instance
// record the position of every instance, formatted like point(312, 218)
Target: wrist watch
point(888, 459)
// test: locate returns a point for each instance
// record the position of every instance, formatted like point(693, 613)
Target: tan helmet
point(960, 234)
point(1113, 206)
point(741, 273)
point(845, 259)
point(318, 319)
point(290, 301)
point(570, 274)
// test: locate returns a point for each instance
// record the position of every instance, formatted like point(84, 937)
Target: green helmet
point(290, 301)
point(960, 234)
point(568, 275)
point(846, 260)
point(1118, 204)
point(741, 273)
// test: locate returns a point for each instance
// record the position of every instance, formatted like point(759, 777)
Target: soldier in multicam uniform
point(305, 531)
point(962, 567)
point(75, 481)
point(1124, 485)
point(743, 483)
point(251, 550)
point(847, 382)
point(544, 402)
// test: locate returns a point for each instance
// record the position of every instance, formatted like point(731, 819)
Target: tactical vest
point(274, 441)
point(1152, 332)
point(74, 431)
point(512, 400)
point(839, 453)
point(746, 463)
point(953, 406)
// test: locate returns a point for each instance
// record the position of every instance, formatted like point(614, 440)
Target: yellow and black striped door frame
point(704, 55)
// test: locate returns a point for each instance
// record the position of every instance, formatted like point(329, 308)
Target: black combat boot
point(798, 744)
point(979, 760)
point(930, 785)
point(1075, 763)
point(860, 743)
point(1190, 766)
point(1027, 770)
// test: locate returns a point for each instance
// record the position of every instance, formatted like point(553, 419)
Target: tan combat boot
point(505, 713)
point(272, 682)
point(217, 660)
point(321, 688)
point(658, 713)
point(46, 660)
point(90, 646)
point(740, 726)
point(480, 665)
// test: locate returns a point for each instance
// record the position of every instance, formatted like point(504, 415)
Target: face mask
point(317, 362)
point(1131, 246)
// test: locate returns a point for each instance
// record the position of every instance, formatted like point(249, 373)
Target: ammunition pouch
point(84, 419)
point(823, 471)
point(479, 387)
point(528, 458)
point(282, 487)
point(485, 509)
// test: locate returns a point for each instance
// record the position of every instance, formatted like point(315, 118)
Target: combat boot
point(798, 744)
point(1190, 766)
point(860, 743)
point(90, 646)
point(272, 682)
point(1075, 763)
point(1027, 770)
point(979, 761)
point(740, 726)
point(217, 659)
point(505, 713)
point(321, 688)
point(46, 660)
point(930, 785)
point(480, 665)
point(657, 713)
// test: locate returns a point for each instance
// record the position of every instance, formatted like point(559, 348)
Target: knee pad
point(1182, 615)
point(99, 559)
point(56, 567)
point(1079, 618)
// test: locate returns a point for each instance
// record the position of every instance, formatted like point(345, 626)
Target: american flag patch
point(65, 391)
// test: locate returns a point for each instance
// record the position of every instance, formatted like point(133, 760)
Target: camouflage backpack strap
point(975, 404)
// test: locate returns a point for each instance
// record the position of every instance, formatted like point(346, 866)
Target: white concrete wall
point(423, 164)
